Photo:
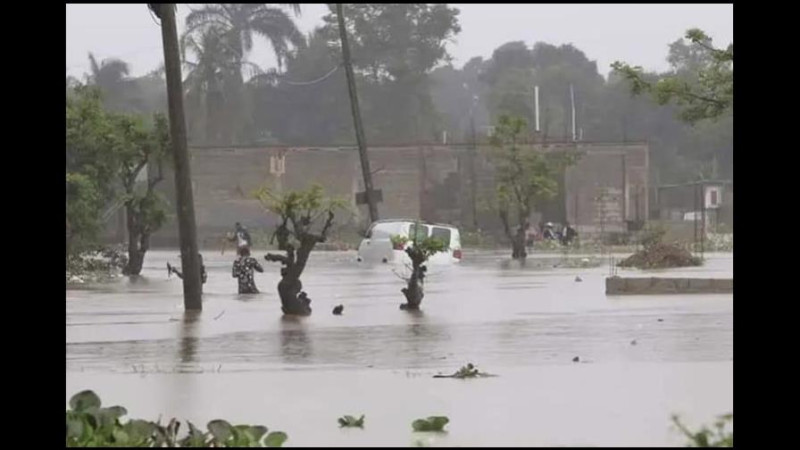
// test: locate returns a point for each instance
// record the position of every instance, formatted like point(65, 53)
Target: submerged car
point(377, 244)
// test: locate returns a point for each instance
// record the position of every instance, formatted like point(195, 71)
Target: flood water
point(643, 358)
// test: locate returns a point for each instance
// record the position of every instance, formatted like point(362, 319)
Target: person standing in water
point(243, 269)
point(203, 274)
point(241, 236)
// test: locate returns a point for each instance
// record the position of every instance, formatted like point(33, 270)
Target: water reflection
point(188, 340)
point(295, 343)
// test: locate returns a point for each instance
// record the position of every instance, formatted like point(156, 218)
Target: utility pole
point(474, 178)
point(362, 144)
point(187, 231)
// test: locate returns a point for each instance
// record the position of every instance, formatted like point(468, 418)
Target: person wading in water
point(243, 269)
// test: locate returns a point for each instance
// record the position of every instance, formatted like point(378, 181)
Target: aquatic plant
point(90, 425)
point(350, 421)
point(468, 371)
point(719, 436)
point(432, 423)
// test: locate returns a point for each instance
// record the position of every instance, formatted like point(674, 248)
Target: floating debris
point(337, 311)
point(468, 371)
point(576, 359)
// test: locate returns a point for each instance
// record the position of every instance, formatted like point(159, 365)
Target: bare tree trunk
point(414, 290)
point(138, 242)
point(294, 301)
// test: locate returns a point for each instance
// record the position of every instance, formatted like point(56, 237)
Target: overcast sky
point(637, 34)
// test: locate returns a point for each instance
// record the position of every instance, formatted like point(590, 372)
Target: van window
point(443, 234)
point(421, 232)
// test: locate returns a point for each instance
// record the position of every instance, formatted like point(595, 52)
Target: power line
point(322, 78)
point(260, 70)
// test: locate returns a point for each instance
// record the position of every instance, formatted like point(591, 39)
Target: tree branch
point(272, 257)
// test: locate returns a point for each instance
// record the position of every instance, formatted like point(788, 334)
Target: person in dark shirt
point(568, 235)
point(243, 269)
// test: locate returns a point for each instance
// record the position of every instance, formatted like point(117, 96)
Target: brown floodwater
point(642, 357)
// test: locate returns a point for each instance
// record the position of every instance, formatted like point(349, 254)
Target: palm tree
point(234, 26)
point(205, 99)
point(239, 21)
point(111, 76)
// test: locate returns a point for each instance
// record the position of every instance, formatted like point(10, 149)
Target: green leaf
point(140, 429)
point(432, 423)
point(116, 411)
point(74, 427)
point(220, 429)
point(258, 432)
point(351, 421)
point(120, 436)
point(276, 439)
point(84, 400)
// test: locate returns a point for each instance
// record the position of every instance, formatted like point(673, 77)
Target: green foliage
point(84, 204)
point(523, 175)
point(432, 423)
point(105, 153)
point(468, 371)
point(719, 436)
point(350, 421)
point(426, 247)
point(308, 203)
point(90, 425)
point(220, 37)
point(702, 85)
point(394, 48)
point(395, 41)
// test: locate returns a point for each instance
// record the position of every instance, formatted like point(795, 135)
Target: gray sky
point(637, 34)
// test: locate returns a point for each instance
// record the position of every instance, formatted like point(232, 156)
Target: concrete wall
point(607, 187)
point(430, 182)
point(651, 286)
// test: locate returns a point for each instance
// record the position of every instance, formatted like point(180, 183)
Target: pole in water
point(187, 229)
point(362, 144)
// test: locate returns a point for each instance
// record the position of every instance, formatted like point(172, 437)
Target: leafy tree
point(90, 168)
point(418, 248)
point(105, 154)
point(701, 83)
point(138, 148)
point(524, 176)
point(205, 83)
point(234, 26)
point(300, 214)
point(395, 46)
point(308, 104)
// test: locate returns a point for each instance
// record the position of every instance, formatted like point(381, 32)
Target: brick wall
point(431, 182)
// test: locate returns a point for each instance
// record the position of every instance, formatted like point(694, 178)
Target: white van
point(377, 244)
